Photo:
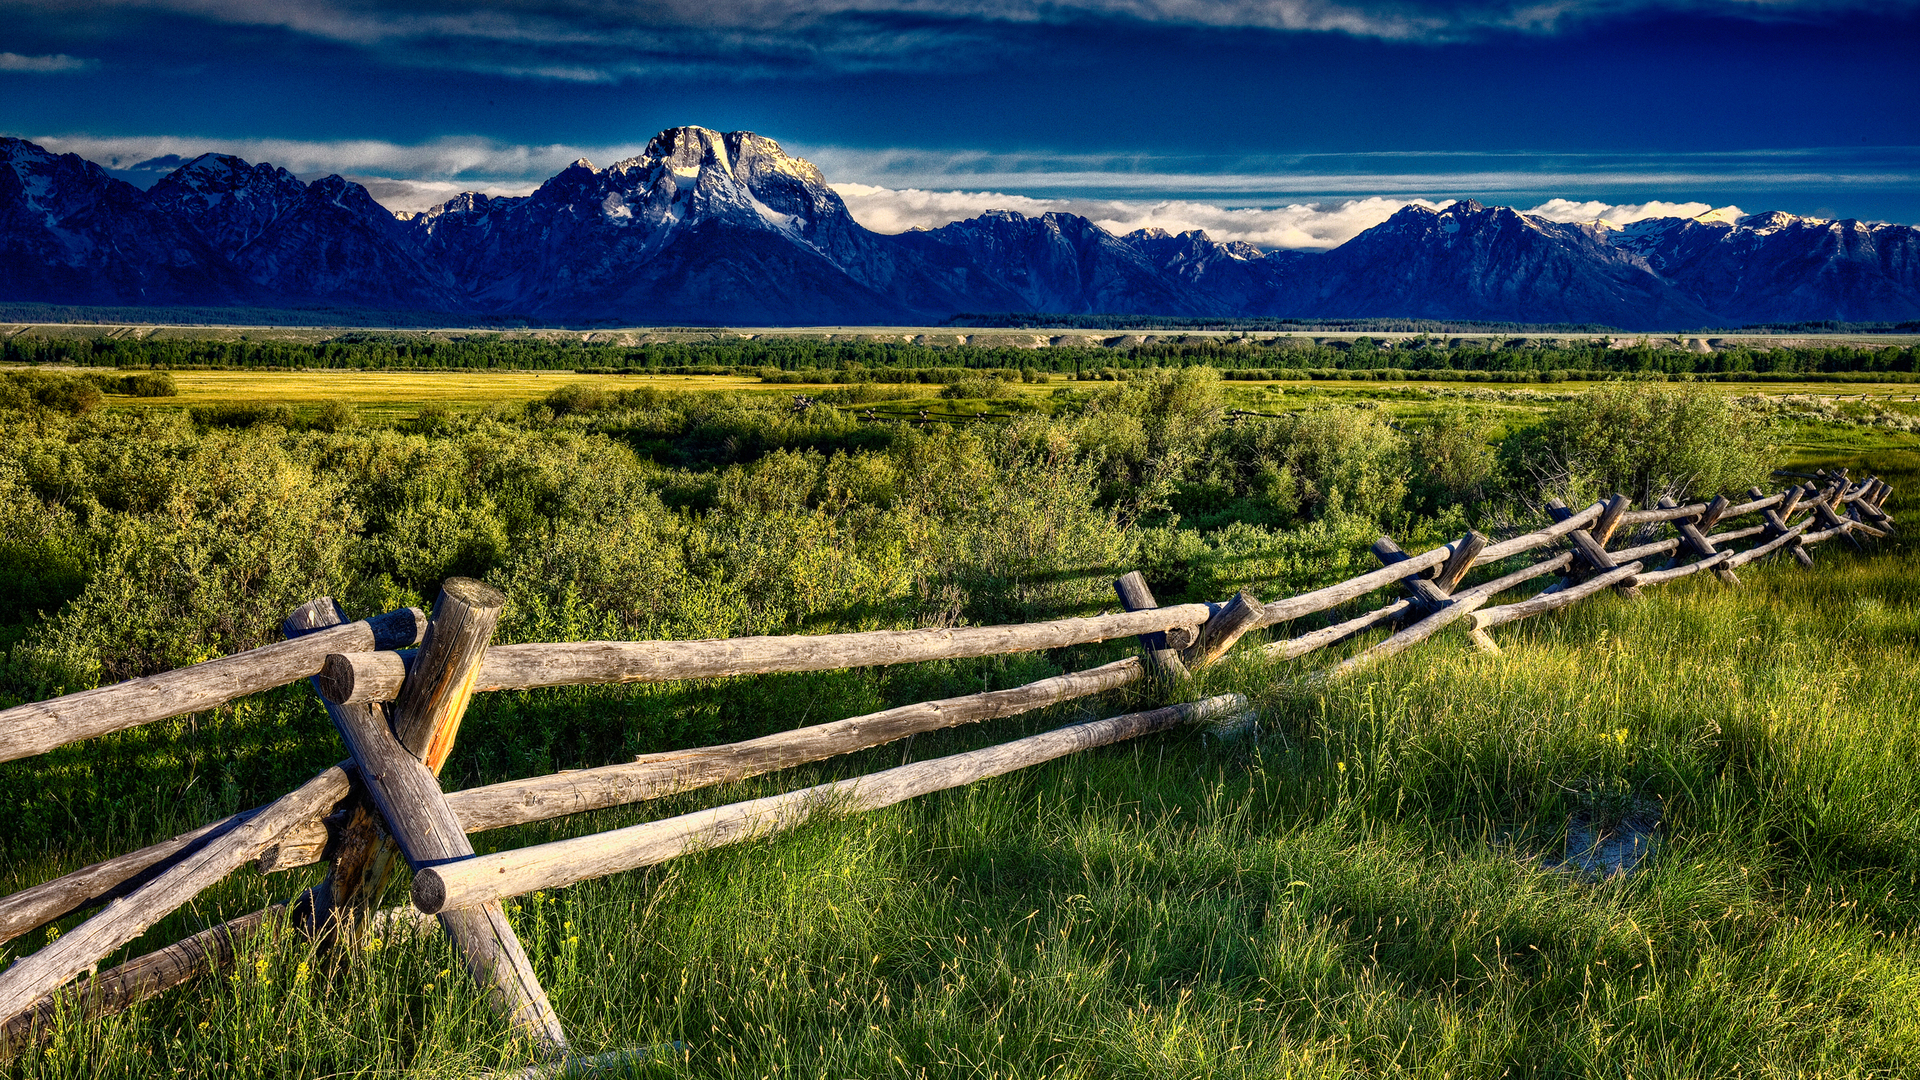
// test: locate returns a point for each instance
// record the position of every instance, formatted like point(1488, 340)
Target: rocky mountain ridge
point(711, 227)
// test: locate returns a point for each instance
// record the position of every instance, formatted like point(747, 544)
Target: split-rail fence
point(398, 711)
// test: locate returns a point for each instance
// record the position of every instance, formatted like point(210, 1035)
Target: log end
point(474, 594)
point(361, 678)
point(398, 629)
point(429, 891)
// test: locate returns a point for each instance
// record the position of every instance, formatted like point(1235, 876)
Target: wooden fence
point(398, 711)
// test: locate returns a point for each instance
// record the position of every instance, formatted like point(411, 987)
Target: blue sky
point(1285, 122)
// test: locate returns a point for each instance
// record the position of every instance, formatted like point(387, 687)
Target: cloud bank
point(614, 40)
point(45, 65)
point(1310, 226)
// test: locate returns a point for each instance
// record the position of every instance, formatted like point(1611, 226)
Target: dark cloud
point(614, 40)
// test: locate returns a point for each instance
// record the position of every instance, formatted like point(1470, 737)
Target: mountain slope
point(322, 241)
point(1474, 262)
point(1775, 267)
point(1064, 263)
point(71, 234)
point(702, 227)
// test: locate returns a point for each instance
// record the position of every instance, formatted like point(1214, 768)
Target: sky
point(1284, 123)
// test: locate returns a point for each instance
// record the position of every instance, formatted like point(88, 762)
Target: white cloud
point(1299, 225)
point(1627, 213)
point(1321, 176)
point(453, 161)
point(45, 65)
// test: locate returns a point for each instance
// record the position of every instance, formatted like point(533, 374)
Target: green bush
point(48, 391)
point(242, 415)
point(1646, 441)
point(336, 416)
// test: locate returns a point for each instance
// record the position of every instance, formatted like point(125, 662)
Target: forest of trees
point(1516, 359)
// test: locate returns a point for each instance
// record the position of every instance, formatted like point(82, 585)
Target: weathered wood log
point(1860, 524)
point(36, 728)
point(38, 905)
point(1824, 513)
point(1425, 594)
point(1462, 605)
point(1609, 520)
point(364, 677)
point(1790, 536)
point(1722, 539)
point(32, 977)
point(1162, 659)
point(1645, 551)
point(1790, 502)
point(1756, 500)
point(1320, 639)
point(490, 878)
point(1715, 562)
point(1488, 618)
point(1466, 552)
point(365, 857)
point(652, 776)
point(1664, 512)
point(1701, 546)
point(404, 789)
point(1240, 615)
point(1483, 640)
point(1590, 553)
point(1280, 611)
point(120, 988)
point(1711, 516)
point(1777, 517)
point(426, 715)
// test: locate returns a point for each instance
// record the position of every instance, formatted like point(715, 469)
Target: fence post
point(1427, 597)
point(1161, 657)
point(1776, 519)
point(1234, 619)
point(1591, 551)
point(397, 763)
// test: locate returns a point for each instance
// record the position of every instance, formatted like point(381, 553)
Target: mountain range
point(712, 228)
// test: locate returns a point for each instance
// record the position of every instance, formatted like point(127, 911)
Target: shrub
point(47, 390)
point(241, 415)
point(1646, 441)
point(336, 416)
point(973, 387)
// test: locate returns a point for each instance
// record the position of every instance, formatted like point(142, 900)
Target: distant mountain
point(71, 234)
point(1776, 267)
point(326, 241)
point(705, 227)
point(1474, 262)
point(702, 227)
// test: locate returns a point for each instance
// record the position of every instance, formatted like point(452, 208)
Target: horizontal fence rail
point(26, 730)
point(399, 713)
point(356, 678)
point(487, 878)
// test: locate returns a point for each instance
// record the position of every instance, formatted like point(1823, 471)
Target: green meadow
point(1372, 884)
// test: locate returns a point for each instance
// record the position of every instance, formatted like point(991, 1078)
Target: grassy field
point(399, 395)
point(1371, 887)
